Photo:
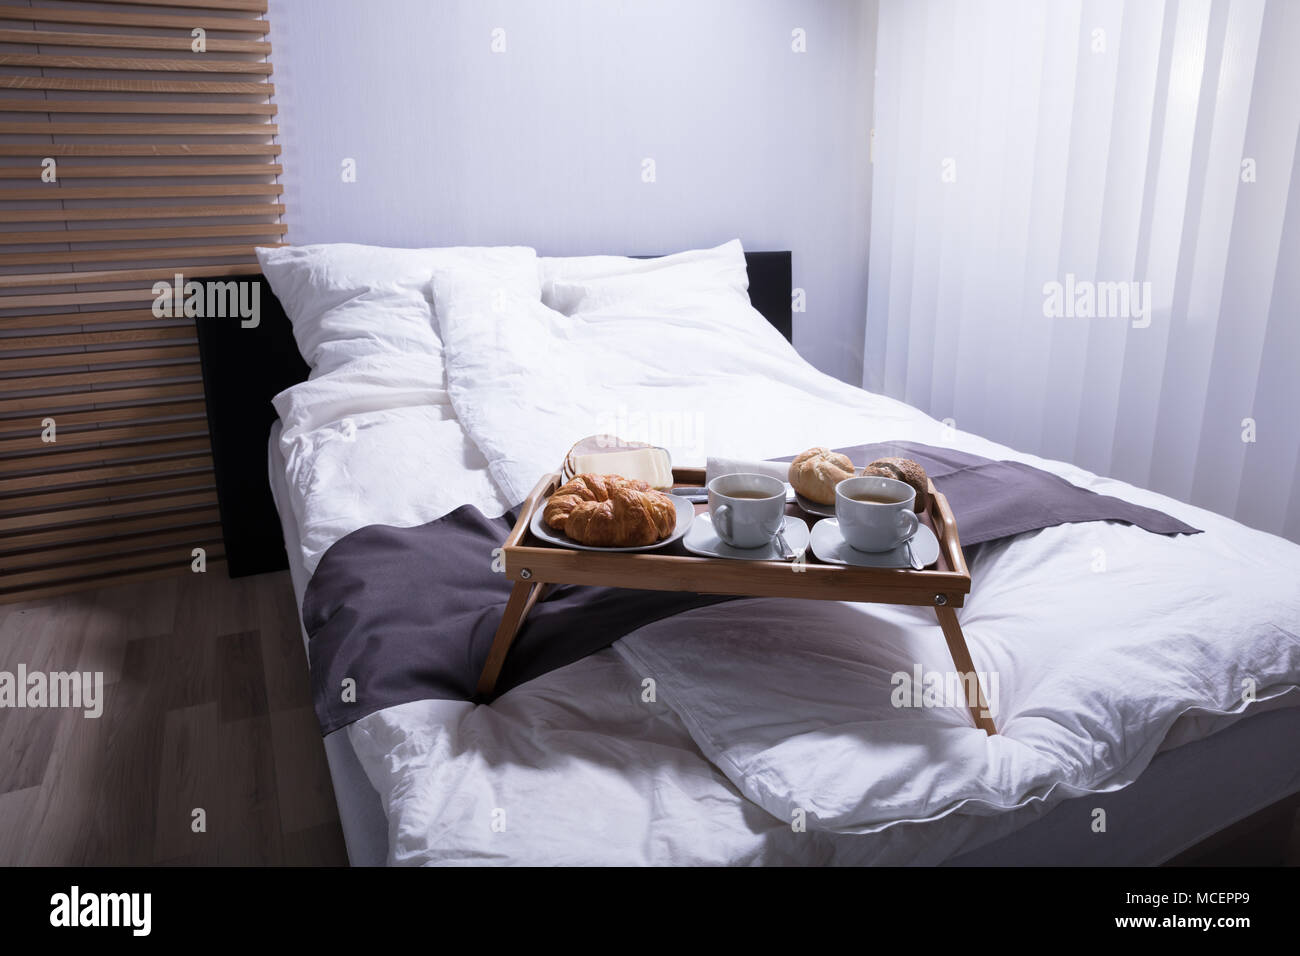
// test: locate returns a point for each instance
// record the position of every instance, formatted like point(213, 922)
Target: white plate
point(685, 516)
point(829, 546)
point(703, 540)
point(813, 508)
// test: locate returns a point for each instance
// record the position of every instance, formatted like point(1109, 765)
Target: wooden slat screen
point(165, 162)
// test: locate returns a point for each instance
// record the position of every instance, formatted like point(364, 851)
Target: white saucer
point(685, 518)
point(704, 541)
point(829, 546)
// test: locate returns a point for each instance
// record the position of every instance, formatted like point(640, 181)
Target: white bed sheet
point(376, 442)
point(634, 786)
point(1143, 830)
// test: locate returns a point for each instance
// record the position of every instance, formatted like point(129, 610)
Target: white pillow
point(705, 290)
point(567, 280)
point(349, 301)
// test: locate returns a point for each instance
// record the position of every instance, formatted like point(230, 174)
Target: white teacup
point(747, 510)
point(882, 521)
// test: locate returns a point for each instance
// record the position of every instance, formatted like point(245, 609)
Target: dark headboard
point(244, 368)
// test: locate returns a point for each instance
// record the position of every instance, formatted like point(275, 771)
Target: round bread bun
point(815, 473)
point(904, 469)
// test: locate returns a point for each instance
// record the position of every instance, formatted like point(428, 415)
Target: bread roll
point(904, 469)
point(815, 473)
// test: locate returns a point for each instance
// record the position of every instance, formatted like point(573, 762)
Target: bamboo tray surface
point(535, 565)
point(672, 568)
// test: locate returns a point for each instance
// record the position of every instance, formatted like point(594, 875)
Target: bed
point(398, 432)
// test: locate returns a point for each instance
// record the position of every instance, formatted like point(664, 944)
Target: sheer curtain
point(1085, 236)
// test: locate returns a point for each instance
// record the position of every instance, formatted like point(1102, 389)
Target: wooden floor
point(206, 705)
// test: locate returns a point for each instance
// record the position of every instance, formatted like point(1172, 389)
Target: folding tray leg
point(522, 598)
point(965, 666)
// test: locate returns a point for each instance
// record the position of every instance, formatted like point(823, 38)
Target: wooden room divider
point(137, 141)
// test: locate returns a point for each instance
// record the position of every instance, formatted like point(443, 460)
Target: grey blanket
point(998, 499)
point(401, 614)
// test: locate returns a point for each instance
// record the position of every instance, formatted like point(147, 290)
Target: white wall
point(543, 144)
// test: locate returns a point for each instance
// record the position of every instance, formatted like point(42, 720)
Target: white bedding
point(376, 442)
point(789, 701)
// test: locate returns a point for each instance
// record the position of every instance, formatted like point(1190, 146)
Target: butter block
point(651, 465)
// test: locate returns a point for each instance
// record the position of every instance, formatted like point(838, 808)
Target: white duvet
point(773, 734)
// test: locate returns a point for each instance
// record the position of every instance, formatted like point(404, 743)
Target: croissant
point(610, 511)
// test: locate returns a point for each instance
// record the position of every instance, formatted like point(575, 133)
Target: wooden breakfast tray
point(534, 565)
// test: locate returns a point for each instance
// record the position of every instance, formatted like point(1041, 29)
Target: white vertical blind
point(1024, 143)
